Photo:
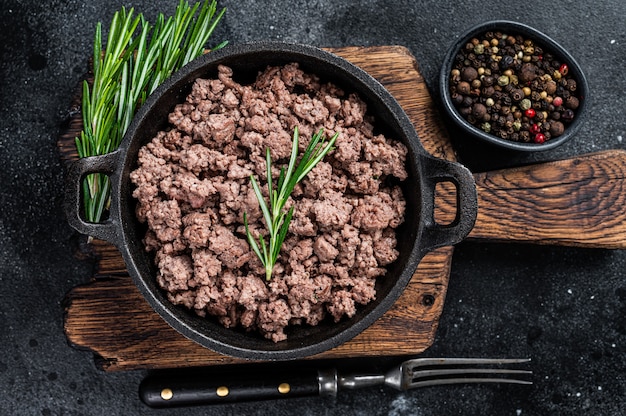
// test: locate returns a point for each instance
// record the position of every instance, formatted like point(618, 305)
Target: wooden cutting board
point(110, 317)
point(577, 202)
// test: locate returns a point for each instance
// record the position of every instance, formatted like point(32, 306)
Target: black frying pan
point(418, 235)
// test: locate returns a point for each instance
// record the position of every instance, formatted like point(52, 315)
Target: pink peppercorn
point(540, 138)
point(557, 102)
point(530, 113)
point(535, 129)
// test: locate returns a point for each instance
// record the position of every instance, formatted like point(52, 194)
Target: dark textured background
point(563, 307)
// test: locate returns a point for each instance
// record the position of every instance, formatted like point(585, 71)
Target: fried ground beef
point(192, 185)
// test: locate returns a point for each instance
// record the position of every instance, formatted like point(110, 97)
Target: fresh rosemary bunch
point(129, 69)
point(276, 219)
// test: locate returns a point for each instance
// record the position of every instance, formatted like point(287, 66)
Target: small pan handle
point(435, 171)
point(109, 229)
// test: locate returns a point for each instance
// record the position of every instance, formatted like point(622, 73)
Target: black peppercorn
point(571, 85)
point(545, 126)
point(556, 128)
point(488, 91)
point(467, 101)
point(527, 72)
point(469, 74)
point(517, 94)
point(524, 136)
point(479, 111)
point(567, 116)
point(463, 88)
point(572, 103)
point(506, 62)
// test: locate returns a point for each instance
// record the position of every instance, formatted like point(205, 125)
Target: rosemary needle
point(124, 74)
point(276, 219)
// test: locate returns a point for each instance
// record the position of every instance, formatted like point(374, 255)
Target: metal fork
point(424, 372)
point(210, 388)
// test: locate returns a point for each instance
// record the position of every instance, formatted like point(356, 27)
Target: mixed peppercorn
point(512, 88)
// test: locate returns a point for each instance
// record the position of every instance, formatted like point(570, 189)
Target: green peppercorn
point(503, 80)
point(486, 127)
point(525, 104)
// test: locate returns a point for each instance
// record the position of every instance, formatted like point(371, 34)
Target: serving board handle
point(572, 202)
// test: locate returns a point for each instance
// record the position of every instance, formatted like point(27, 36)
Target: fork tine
point(421, 362)
point(466, 380)
point(424, 372)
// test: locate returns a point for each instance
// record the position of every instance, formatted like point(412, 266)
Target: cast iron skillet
point(418, 235)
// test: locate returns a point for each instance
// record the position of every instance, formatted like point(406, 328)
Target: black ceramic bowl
point(548, 45)
point(418, 235)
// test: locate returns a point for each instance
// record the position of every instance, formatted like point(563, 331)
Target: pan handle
point(109, 229)
point(435, 171)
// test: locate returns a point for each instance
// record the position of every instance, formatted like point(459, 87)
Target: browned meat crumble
point(193, 186)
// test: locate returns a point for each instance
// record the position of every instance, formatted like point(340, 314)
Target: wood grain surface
point(109, 316)
point(573, 202)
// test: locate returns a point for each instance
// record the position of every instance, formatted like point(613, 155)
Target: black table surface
point(563, 307)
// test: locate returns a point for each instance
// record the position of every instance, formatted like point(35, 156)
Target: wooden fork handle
point(579, 201)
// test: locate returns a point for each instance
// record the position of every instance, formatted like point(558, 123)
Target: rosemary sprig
point(276, 219)
point(127, 72)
